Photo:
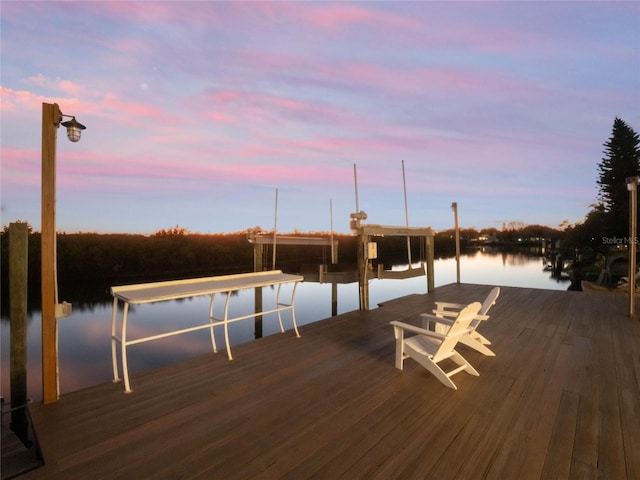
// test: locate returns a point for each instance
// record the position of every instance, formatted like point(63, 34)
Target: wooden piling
point(18, 263)
point(363, 266)
point(454, 207)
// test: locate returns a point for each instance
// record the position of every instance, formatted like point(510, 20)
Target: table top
point(175, 289)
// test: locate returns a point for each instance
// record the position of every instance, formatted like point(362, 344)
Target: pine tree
point(622, 160)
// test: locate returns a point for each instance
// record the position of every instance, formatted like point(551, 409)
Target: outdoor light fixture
point(74, 128)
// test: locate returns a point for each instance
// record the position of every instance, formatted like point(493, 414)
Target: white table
point(176, 289)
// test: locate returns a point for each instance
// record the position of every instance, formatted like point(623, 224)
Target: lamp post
point(51, 309)
point(632, 186)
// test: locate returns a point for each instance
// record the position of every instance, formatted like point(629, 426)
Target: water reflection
point(85, 336)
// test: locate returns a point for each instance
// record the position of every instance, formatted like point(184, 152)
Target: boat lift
point(367, 249)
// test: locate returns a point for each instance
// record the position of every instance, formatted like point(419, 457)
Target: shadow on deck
point(560, 400)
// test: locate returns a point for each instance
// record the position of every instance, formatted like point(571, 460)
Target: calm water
point(85, 336)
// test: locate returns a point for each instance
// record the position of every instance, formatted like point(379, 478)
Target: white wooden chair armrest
point(442, 305)
point(445, 313)
point(426, 318)
point(436, 324)
point(434, 318)
point(401, 327)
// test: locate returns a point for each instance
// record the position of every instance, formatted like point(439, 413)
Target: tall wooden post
point(363, 265)
point(51, 117)
point(454, 207)
point(18, 263)
point(632, 186)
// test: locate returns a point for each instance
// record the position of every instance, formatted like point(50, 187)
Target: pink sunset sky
point(196, 112)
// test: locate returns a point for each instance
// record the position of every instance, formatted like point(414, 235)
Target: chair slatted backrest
point(460, 325)
point(489, 301)
point(486, 305)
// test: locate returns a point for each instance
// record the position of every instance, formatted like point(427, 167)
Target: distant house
point(487, 239)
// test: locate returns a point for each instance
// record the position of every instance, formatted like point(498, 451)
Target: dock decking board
point(561, 399)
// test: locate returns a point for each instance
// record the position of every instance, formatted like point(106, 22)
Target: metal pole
point(355, 182)
point(51, 117)
point(632, 186)
point(275, 228)
point(454, 207)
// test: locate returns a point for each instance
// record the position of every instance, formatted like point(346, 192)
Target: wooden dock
point(560, 400)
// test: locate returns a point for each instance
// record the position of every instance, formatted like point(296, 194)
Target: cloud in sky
point(197, 111)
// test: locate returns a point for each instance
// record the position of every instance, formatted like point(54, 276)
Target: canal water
point(84, 338)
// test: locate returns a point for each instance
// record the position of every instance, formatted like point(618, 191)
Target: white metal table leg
point(125, 368)
point(226, 325)
point(278, 308)
point(293, 312)
point(114, 355)
point(213, 337)
point(281, 306)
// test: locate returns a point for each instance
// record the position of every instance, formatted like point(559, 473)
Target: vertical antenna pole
point(355, 181)
point(275, 228)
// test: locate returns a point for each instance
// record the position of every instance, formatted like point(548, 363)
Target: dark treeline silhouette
point(89, 263)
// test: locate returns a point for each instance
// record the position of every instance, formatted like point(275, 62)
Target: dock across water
point(561, 399)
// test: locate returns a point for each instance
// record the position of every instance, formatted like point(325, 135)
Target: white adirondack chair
point(448, 311)
point(429, 348)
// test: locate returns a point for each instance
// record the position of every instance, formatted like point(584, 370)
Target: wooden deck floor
point(560, 400)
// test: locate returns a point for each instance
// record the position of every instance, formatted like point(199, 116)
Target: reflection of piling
point(430, 261)
point(18, 250)
point(334, 299)
point(258, 250)
point(322, 274)
point(557, 268)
